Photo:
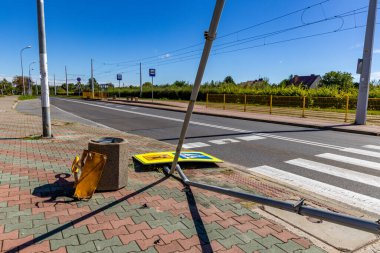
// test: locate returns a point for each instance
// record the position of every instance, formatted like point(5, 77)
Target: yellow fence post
point(303, 106)
point(245, 102)
point(206, 100)
point(224, 101)
point(346, 116)
point(270, 104)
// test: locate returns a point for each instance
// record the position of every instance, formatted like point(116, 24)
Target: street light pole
point(365, 69)
point(92, 80)
point(45, 101)
point(22, 70)
point(67, 87)
point(29, 86)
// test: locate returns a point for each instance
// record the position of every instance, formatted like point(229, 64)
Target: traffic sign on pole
point(152, 72)
point(119, 77)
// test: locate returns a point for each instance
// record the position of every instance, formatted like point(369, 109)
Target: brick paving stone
point(114, 241)
point(167, 238)
point(228, 232)
point(115, 232)
point(233, 249)
point(32, 231)
point(142, 218)
point(96, 227)
point(157, 223)
point(190, 242)
point(122, 222)
point(74, 231)
point(230, 241)
point(13, 243)
point(285, 235)
point(251, 246)
point(88, 247)
point(290, 246)
point(131, 247)
point(168, 248)
point(132, 237)
point(148, 243)
point(40, 247)
point(312, 249)
point(303, 242)
point(174, 227)
point(228, 222)
point(138, 227)
point(268, 241)
point(188, 232)
point(69, 241)
point(192, 250)
point(149, 233)
point(245, 227)
point(84, 238)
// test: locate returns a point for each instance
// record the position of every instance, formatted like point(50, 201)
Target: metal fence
point(328, 108)
point(97, 94)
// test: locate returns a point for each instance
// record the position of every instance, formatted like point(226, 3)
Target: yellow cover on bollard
point(91, 167)
point(168, 157)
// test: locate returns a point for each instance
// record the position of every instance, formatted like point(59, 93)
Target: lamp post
point(29, 87)
point(22, 69)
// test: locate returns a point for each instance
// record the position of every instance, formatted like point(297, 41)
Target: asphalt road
point(342, 166)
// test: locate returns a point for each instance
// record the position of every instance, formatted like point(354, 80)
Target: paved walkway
point(297, 121)
point(152, 214)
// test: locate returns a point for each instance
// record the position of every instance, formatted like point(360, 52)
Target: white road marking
point(223, 141)
point(372, 147)
point(250, 138)
point(362, 152)
point(195, 145)
point(301, 141)
point(336, 171)
point(350, 160)
point(345, 196)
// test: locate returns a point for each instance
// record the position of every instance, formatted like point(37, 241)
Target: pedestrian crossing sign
point(168, 157)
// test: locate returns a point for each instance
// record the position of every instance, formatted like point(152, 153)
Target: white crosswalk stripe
point(350, 160)
point(195, 145)
point(250, 138)
point(342, 195)
point(372, 147)
point(224, 141)
point(362, 152)
point(336, 171)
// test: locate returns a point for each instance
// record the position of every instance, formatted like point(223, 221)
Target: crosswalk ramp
point(334, 192)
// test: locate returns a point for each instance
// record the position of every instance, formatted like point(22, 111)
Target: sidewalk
point(286, 120)
point(151, 214)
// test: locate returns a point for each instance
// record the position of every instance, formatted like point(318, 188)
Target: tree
point(180, 83)
point(229, 79)
point(147, 84)
point(5, 87)
point(342, 80)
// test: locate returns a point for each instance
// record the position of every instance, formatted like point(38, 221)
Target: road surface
point(341, 166)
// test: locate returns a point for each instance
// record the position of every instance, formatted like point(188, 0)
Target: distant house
point(310, 82)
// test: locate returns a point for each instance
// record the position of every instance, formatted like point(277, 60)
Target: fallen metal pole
point(209, 36)
point(296, 207)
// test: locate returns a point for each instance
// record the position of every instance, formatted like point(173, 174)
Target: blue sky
point(118, 34)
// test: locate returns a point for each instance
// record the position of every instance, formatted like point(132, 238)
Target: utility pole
point(55, 88)
point(209, 36)
point(92, 80)
point(364, 65)
point(46, 122)
point(140, 82)
point(67, 86)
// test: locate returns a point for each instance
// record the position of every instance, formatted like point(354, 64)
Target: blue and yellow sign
point(168, 157)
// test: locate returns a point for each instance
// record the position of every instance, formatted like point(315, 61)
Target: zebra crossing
point(334, 192)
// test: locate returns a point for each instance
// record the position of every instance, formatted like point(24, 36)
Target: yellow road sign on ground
point(167, 157)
